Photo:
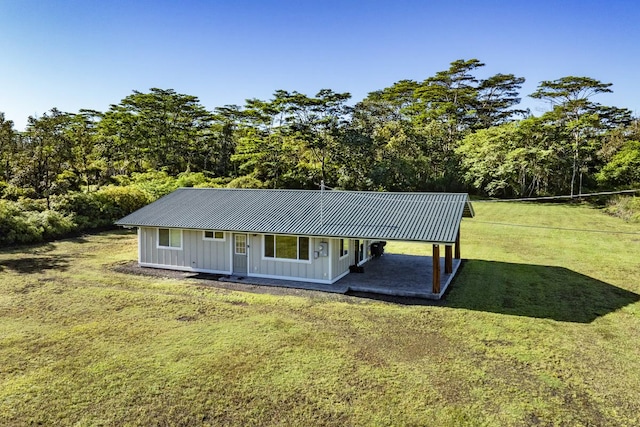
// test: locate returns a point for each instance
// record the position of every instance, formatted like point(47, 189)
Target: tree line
point(453, 131)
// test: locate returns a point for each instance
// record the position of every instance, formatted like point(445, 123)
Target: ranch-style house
point(316, 236)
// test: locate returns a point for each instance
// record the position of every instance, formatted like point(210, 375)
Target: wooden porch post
point(448, 259)
point(435, 288)
point(457, 256)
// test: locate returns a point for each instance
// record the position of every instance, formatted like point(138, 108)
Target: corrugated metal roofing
point(426, 217)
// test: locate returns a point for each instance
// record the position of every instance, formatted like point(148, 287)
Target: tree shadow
point(35, 264)
point(535, 291)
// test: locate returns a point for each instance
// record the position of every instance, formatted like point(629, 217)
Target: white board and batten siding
point(195, 253)
point(340, 264)
point(214, 256)
point(312, 270)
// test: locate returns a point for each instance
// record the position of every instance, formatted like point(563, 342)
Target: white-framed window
point(169, 238)
point(291, 248)
point(213, 235)
point(344, 247)
point(240, 244)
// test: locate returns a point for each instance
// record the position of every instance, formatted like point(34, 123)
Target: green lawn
point(541, 327)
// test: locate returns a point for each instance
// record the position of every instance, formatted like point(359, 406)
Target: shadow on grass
point(535, 291)
point(36, 264)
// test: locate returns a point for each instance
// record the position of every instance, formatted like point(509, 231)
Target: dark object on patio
point(377, 248)
point(356, 269)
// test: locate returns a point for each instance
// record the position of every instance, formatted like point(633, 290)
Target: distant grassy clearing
point(515, 343)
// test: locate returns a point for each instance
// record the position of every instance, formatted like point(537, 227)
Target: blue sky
point(90, 54)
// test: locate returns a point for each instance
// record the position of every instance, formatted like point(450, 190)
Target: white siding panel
point(196, 253)
point(317, 269)
point(340, 266)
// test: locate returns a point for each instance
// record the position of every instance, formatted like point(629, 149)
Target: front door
point(240, 254)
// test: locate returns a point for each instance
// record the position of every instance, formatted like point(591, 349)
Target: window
point(240, 244)
point(286, 247)
point(344, 247)
point(213, 235)
point(169, 238)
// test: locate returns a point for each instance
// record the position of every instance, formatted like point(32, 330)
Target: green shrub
point(246, 182)
point(49, 224)
point(37, 205)
point(625, 207)
point(84, 208)
point(116, 202)
point(28, 220)
point(17, 225)
point(191, 179)
point(11, 192)
point(157, 184)
point(624, 167)
point(218, 182)
point(12, 222)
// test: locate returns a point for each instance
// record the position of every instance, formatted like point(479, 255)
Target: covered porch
point(394, 274)
point(401, 275)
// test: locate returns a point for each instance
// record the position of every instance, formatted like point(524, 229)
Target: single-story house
point(301, 235)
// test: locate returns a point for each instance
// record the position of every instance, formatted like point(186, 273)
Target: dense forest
point(453, 131)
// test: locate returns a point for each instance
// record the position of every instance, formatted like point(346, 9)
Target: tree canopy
point(452, 131)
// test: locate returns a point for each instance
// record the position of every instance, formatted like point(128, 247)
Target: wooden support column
point(435, 288)
point(448, 259)
point(457, 256)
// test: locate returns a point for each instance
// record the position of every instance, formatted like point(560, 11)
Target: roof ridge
point(326, 191)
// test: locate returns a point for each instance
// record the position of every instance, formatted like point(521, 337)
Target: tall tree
point(442, 110)
point(497, 95)
point(8, 147)
point(292, 140)
point(514, 159)
point(45, 162)
point(162, 129)
point(585, 120)
point(83, 133)
point(450, 99)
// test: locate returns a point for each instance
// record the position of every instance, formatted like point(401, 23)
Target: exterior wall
point(314, 270)
point(340, 265)
point(212, 256)
point(196, 254)
point(365, 250)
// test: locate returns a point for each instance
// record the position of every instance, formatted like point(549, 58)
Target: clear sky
point(90, 54)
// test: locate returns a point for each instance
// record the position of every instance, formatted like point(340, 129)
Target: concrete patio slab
point(399, 275)
point(390, 274)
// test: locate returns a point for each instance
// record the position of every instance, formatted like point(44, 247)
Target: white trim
point(364, 261)
point(235, 244)
point(182, 268)
point(264, 276)
point(340, 276)
point(291, 278)
point(213, 239)
point(140, 244)
point(297, 260)
point(173, 248)
point(330, 250)
point(367, 248)
point(341, 257)
point(232, 250)
point(231, 244)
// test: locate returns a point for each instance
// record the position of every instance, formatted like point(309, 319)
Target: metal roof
point(426, 217)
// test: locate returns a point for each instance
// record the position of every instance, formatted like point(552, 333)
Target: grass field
point(541, 327)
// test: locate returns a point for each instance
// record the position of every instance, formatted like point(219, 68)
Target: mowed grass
point(541, 327)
